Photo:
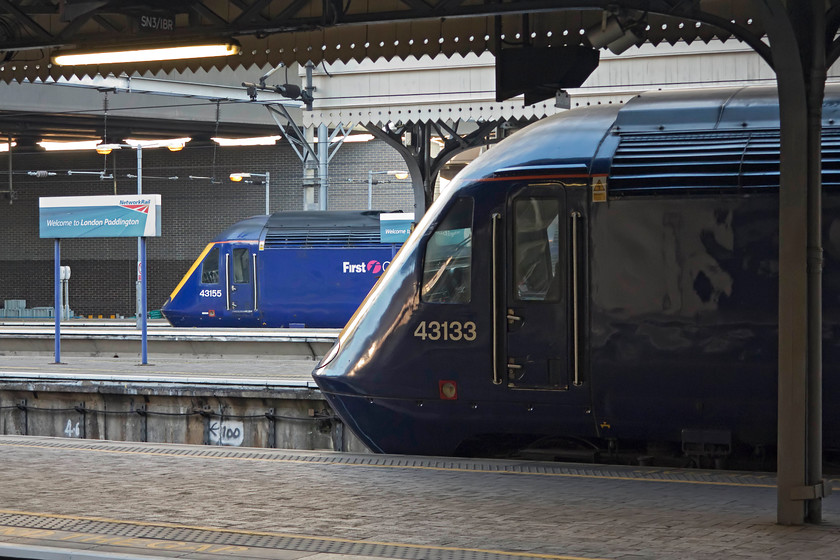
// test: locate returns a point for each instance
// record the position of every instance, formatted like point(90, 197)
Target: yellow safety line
point(292, 536)
point(411, 467)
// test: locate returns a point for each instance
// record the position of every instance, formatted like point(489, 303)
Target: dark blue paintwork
point(312, 270)
point(678, 288)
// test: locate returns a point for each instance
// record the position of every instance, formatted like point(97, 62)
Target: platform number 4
point(72, 431)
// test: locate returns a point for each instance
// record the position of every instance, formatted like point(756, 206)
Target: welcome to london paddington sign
point(63, 217)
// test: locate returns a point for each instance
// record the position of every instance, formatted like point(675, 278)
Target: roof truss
point(275, 31)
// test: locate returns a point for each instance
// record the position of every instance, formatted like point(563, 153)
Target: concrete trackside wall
point(227, 416)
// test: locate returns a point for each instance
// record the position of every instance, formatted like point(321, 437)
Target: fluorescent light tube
point(147, 55)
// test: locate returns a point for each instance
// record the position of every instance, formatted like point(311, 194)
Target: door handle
point(515, 371)
point(511, 318)
point(576, 218)
point(254, 258)
point(233, 288)
point(227, 280)
point(494, 241)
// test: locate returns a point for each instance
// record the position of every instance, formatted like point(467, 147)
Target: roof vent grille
point(718, 161)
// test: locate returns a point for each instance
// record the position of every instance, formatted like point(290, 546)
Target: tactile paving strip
point(690, 476)
point(251, 539)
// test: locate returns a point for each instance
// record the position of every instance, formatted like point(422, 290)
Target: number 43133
point(446, 330)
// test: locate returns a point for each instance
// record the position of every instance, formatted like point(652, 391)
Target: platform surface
point(98, 499)
point(107, 338)
point(238, 370)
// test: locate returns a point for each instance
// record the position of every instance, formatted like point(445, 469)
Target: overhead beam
point(250, 12)
point(202, 10)
point(27, 21)
point(284, 17)
point(193, 90)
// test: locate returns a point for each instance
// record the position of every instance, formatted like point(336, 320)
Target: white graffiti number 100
point(446, 330)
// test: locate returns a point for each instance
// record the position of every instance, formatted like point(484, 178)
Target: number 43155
point(445, 330)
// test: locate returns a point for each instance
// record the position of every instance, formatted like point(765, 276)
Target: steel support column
point(323, 166)
point(417, 154)
point(142, 321)
point(797, 32)
point(57, 293)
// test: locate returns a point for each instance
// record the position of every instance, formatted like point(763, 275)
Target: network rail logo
point(136, 205)
point(370, 267)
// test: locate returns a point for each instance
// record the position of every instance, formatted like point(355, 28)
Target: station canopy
point(270, 32)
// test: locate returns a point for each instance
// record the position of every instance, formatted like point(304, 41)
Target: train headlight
point(331, 353)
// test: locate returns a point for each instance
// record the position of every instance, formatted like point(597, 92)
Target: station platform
point(84, 499)
point(115, 337)
point(162, 369)
point(239, 400)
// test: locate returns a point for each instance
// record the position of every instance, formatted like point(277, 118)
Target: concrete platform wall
point(293, 418)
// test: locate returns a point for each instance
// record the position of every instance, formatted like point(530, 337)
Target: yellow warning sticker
point(599, 188)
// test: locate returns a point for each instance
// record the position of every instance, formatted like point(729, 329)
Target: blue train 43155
point(289, 269)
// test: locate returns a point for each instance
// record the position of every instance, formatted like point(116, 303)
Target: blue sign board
point(63, 217)
point(395, 227)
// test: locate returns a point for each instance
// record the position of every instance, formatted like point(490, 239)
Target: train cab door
point(540, 308)
point(240, 270)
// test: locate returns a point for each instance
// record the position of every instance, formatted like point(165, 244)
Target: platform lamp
point(397, 174)
point(174, 145)
point(245, 178)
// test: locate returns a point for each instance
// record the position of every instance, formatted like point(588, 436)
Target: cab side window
point(210, 267)
point(536, 250)
point(241, 266)
point(447, 264)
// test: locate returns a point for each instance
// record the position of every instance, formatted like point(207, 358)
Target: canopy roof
point(275, 31)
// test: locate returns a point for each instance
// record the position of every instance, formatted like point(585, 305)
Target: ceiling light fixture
point(54, 146)
point(252, 141)
point(171, 144)
point(353, 138)
point(147, 55)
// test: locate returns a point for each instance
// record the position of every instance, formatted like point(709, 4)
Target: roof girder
point(275, 31)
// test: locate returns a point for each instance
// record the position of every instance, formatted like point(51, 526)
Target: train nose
point(331, 375)
point(322, 371)
point(172, 312)
point(164, 309)
point(326, 383)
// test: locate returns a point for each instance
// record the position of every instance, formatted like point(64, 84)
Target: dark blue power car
point(604, 280)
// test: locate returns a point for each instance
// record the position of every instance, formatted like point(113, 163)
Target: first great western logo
point(369, 267)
